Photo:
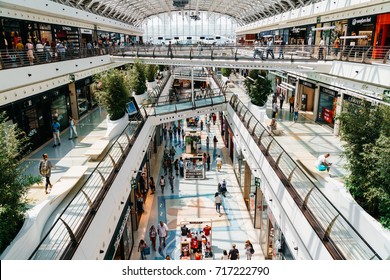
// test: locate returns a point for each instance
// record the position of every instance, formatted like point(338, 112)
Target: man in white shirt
point(219, 163)
point(162, 230)
point(322, 164)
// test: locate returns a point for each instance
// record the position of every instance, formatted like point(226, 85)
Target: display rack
point(194, 167)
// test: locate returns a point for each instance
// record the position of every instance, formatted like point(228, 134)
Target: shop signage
point(122, 228)
point(327, 115)
point(133, 183)
point(257, 182)
point(328, 91)
point(362, 20)
point(298, 29)
point(353, 99)
point(66, 28)
point(85, 31)
point(307, 84)
point(292, 80)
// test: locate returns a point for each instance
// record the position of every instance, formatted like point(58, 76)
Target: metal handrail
point(305, 202)
point(63, 237)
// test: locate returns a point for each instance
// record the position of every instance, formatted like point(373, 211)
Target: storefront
point(68, 34)
point(122, 243)
point(382, 36)
point(332, 30)
point(85, 91)
point(299, 35)
point(86, 36)
point(34, 115)
point(363, 27)
point(306, 96)
point(327, 106)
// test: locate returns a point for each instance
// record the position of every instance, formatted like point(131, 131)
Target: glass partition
point(62, 239)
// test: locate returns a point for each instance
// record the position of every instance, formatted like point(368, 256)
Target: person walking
point(321, 49)
point(291, 100)
point(281, 99)
point(224, 256)
point(248, 250)
point(30, 52)
point(336, 47)
point(72, 126)
point(162, 183)
point(234, 254)
point(56, 133)
point(270, 48)
point(218, 203)
point(45, 167)
point(181, 167)
point(208, 161)
point(281, 49)
point(207, 143)
point(201, 125)
point(162, 231)
point(215, 141)
point(170, 53)
point(296, 111)
point(152, 184)
point(176, 164)
point(274, 109)
point(170, 178)
point(218, 160)
point(153, 236)
point(141, 247)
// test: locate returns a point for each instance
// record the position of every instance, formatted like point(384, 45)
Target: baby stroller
point(222, 188)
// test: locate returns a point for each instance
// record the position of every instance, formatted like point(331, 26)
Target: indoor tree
point(258, 87)
point(226, 72)
point(14, 183)
point(137, 78)
point(150, 71)
point(113, 93)
point(365, 129)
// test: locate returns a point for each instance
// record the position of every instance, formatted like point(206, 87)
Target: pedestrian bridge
point(294, 58)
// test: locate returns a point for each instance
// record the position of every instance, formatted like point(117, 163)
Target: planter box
point(140, 98)
point(115, 128)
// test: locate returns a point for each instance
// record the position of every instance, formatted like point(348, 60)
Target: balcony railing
point(361, 54)
point(64, 236)
point(341, 239)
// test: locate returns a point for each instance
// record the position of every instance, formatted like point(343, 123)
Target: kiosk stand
point(199, 237)
point(194, 167)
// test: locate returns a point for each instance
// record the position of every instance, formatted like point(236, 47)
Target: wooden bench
point(97, 149)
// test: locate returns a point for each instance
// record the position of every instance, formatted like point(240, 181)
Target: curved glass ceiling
point(134, 12)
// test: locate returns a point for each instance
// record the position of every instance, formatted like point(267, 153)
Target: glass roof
point(134, 12)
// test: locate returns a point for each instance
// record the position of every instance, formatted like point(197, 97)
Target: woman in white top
point(248, 250)
point(224, 255)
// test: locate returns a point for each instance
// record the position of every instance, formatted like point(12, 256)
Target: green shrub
point(114, 92)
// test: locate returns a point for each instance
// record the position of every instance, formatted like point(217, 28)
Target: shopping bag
point(147, 251)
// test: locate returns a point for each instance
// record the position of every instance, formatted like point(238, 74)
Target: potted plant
point(225, 74)
point(138, 82)
point(113, 95)
point(151, 72)
point(258, 87)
